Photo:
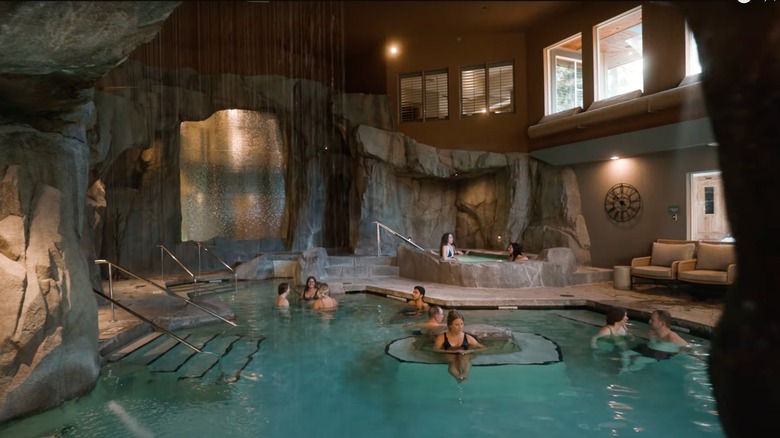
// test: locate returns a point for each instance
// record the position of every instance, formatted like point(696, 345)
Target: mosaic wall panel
point(233, 177)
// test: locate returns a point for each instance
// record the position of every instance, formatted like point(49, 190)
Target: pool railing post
point(111, 292)
point(378, 241)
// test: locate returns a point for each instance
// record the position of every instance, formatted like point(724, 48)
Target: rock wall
point(49, 332)
point(347, 170)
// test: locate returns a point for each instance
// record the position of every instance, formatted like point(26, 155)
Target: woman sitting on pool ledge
point(516, 253)
point(447, 250)
point(458, 345)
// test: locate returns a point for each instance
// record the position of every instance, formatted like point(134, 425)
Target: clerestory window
point(424, 96)
point(563, 63)
point(487, 89)
point(620, 62)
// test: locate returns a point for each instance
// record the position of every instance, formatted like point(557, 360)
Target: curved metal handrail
point(200, 245)
point(394, 233)
point(163, 251)
point(208, 251)
point(162, 288)
point(146, 320)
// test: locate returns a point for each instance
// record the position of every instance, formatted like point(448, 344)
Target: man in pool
point(433, 325)
point(662, 343)
point(416, 303)
point(281, 298)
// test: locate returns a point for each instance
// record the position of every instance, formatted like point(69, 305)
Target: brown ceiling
point(296, 37)
point(367, 22)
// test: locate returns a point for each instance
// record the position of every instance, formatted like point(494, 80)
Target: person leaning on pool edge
point(516, 253)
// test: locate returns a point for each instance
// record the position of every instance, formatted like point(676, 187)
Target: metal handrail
point(162, 288)
point(163, 251)
point(208, 251)
point(394, 233)
point(146, 320)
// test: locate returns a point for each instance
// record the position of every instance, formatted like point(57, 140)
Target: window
point(619, 67)
point(692, 65)
point(487, 89)
point(424, 96)
point(564, 75)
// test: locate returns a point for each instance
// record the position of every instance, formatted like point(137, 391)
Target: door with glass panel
point(708, 219)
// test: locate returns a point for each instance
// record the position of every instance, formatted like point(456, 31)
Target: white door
point(708, 220)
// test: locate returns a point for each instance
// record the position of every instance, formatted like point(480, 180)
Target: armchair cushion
point(715, 257)
point(665, 254)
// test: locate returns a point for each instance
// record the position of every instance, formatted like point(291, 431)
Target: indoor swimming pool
point(296, 373)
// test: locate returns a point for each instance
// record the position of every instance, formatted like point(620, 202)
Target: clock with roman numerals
point(622, 202)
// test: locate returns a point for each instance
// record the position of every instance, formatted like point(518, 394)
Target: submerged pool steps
point(224, 355)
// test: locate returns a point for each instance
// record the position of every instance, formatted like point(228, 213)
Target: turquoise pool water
point(480, 258)
point(329, 375)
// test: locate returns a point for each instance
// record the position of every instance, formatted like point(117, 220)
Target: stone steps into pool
point(222, 356)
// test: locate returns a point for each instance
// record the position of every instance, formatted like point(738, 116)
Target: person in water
point(516, 253)
point(323, 300)
point(457, 346)
point(281, 298)
point(309, 289)
point(615, 330)
point(447, 250)
point(416, 303)
point(662, 343)
point(433, 325)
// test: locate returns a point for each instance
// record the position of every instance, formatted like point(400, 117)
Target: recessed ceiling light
point(614, 157)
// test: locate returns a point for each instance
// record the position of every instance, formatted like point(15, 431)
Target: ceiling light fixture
point(614, 157)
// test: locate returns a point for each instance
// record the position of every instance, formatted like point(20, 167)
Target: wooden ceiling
point(367, 22)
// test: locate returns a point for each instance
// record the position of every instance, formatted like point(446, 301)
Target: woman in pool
point(323, 300)
point(309, 289)
point(447, 251)
point(516, 253)
point(457, 345)
point(616, 329)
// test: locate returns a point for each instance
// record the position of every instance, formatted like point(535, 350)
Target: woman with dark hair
point(616, 328)
point(447, 250)
point(309, 291)
point(458, 345)
point(516, 253)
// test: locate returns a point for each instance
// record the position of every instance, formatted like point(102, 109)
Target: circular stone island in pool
point(504, 347)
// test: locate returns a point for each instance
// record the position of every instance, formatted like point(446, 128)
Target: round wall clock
point(622, 202)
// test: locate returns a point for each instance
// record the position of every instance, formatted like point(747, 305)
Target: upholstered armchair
point(663, 263)
point(714, 264)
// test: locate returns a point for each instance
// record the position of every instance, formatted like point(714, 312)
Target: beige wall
point(661, 180)
point(664, 54)
point(493, 132)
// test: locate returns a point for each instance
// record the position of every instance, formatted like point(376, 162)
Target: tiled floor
point(698, 316)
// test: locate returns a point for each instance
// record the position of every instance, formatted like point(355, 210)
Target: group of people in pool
point(662, 343)
point(448, 252)
point(448, 339)
point(314, 293)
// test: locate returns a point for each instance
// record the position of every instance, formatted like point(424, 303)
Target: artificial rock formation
point(346, 169)
point(48, 336)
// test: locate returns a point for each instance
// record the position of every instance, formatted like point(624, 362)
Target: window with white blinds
point(424, 96)
point(472, 90)
point(487, 89)
point(501, 82)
